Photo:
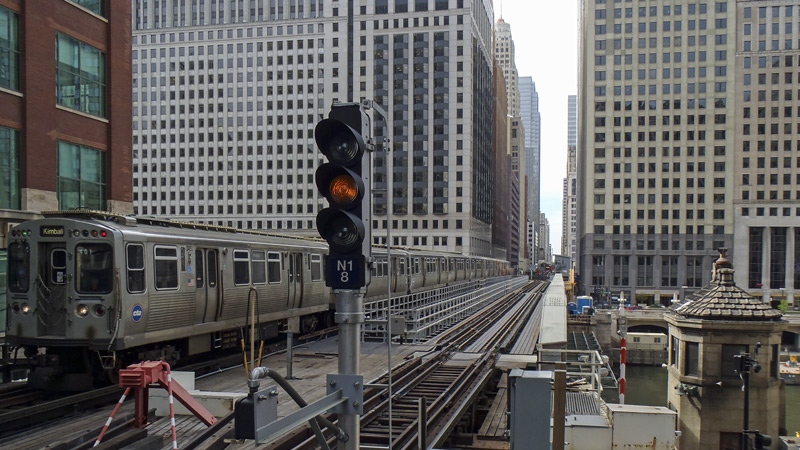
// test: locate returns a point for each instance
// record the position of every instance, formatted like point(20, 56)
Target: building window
point(80, 76)
point(81, 177)
point(755, 258)
point(777, 265)
point(95, 6)
point(691, 359)
point(9, 168)
point(9, 49)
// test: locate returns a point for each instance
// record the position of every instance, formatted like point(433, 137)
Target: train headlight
point(76, 233)
point(82, 310)
point(15, 308)
point(99, 310)
point(25, 308)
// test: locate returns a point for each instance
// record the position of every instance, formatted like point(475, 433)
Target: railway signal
point(344, 182)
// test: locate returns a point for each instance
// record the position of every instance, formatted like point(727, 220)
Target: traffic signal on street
point(344, 182)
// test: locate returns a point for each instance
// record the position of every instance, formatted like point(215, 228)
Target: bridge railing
point(420, 316)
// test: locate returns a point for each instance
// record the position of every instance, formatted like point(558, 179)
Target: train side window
point(19, 266)
point(135, 267)
point(58, 266)
point(241, 267)
point(315, 259)
point(166, 267)
point(274, 267)
point(258, 266)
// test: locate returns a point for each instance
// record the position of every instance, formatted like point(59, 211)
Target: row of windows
point(667, 10)
point(650, 244)
point(652, 136)
point(688, 360)
point(644, 105)
point(80, 68)
point(665, 229)
point(645, 272)
point(772, 212)
point(652, 42)
point(666, 167)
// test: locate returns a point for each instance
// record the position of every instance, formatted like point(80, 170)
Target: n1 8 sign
point(346, 272)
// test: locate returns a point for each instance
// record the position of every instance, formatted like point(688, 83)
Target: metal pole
point(746, 380)
point(349, 317)
point(289, 354)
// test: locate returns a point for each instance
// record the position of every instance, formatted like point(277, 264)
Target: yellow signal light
point(343, 189)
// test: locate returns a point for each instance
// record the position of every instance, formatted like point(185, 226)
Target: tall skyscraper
point(227, 93)
point(569, 203)
point(656, 145)
point(65, 120)
point(529, 110)
point(765, 168)
point(569, 193)
point(515, 132)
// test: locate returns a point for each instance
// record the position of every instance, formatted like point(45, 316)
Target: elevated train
point(90, 292)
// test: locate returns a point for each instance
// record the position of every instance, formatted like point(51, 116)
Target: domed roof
point(723, 300)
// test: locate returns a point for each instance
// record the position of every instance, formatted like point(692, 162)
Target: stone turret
point(706, 331)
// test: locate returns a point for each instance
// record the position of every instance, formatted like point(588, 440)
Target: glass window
point(58, 266)
point(9, 49)
point(80, 76)
point(81, 177)
point(315, 260)
point(95, 6)
point(9, 167)
point(19, 266)
point(135, 267)
point(241, 267)
point(274, 267)
point(258, 266)
point(166, 267)
point(94, 267)
point(691, 354)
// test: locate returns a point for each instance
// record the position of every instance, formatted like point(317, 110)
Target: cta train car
point(90, 292)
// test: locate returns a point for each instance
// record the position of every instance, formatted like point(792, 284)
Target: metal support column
point(350, 317)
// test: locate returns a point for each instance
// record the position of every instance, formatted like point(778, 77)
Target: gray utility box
point(530, 402)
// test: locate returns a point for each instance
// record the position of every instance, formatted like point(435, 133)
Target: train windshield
point(95, 268)
point(19, 267)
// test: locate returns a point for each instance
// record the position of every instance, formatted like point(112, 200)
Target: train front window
point(19, 267)
point(58, 266)
point(94, 268)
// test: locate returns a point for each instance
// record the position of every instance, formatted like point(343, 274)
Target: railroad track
point(431, 393)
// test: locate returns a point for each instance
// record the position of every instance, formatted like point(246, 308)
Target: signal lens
point(343, 147)
point(103, 233)
point(343, 190)
point(15, 307)
point(99, 310)
point(346, 234)
point(25, 308)
point(82, 310)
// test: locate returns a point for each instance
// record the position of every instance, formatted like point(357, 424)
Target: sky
point(545, 34)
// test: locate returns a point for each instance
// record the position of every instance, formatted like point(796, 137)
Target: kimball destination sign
point(51, 231)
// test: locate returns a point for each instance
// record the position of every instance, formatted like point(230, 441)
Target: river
point(647, 385)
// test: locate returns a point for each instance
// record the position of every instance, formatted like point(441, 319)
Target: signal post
point(345, 224)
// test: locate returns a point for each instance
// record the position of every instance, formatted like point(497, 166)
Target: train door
point(52, 295)
point(295, 271)
point(206, 283)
